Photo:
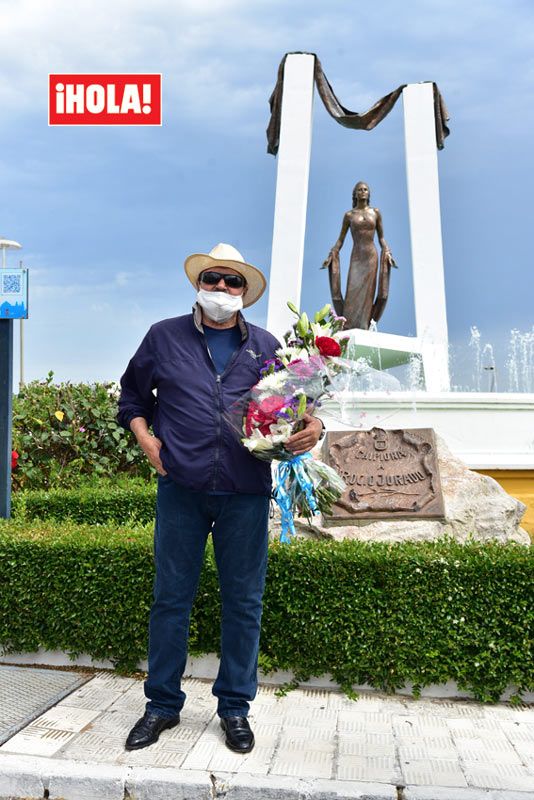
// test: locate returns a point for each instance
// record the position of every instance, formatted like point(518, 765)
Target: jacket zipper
point(218, 433)
point(218, 378)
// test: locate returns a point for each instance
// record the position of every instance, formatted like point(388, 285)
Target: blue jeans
point(239, 527)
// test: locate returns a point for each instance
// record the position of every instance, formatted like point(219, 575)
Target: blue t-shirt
point(222, 343)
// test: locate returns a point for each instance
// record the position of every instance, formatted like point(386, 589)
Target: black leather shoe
point(147, 730)
point(239, 737)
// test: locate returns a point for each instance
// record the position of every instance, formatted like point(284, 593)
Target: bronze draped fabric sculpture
point(349, 119)
point(361, 304)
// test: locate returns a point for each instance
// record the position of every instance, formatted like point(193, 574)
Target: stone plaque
point(388, 473)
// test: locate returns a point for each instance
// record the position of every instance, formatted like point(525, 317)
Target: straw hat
point(225, 255)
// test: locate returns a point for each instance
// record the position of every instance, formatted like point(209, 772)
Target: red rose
point(262, 415)
point(14, 459)
point(252, 412)
point(266, 413)
point(327, 346)
point(266, 422)
point(272, 404)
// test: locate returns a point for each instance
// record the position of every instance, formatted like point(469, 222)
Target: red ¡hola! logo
point(98, 99)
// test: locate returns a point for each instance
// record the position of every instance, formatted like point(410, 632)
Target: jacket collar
point(197, 319)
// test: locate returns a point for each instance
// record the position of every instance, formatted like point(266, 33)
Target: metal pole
point(6, 398)
point(6, 392)
point(21, 376)
point(6, 387)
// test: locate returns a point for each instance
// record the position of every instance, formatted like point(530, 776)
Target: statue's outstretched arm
point(332, 263)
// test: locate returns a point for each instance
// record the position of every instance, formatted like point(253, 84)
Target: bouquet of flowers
point(292, 385)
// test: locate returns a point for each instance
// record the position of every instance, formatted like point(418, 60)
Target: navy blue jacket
point(200, 450)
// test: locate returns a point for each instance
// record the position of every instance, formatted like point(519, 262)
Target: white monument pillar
point(425, 233)
point(291, 192)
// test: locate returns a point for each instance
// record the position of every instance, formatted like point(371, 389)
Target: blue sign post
point(13, 305)
point(6, 398)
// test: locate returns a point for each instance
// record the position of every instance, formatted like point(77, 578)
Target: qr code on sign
point(11, 284)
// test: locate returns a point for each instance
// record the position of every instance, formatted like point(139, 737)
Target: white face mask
point(219, 306)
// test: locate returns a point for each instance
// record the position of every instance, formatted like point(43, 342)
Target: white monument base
point(383, 350)
point(486, 430)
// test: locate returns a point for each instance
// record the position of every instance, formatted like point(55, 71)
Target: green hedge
point(127, 500)
point(379, 613)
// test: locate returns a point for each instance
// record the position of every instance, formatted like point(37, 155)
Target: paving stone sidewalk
point(309, 744)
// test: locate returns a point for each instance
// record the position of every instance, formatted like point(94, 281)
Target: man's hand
point(151, 446)
point(304, 440)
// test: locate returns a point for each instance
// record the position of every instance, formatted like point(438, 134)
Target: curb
point(38, 777)
point(450, 793)
point(205, 667)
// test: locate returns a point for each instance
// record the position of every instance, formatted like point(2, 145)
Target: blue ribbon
point(293, 473)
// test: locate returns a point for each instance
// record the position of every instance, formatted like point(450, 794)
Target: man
point(200, 363)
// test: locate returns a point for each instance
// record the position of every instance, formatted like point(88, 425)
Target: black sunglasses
point(211, 278)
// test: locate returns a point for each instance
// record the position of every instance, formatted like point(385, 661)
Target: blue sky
point(107, 215)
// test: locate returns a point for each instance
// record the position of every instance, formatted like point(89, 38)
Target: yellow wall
point(520, 484)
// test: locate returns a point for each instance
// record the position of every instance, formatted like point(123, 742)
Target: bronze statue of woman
point(363, 302)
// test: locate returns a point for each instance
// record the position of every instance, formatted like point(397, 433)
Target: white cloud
point(124, 278)
point(57, 282)
point(219, 57)
point(101, 308)
point(182, 40)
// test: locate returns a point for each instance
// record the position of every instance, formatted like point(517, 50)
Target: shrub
point(96, 502)
point(64, 431)
point(380, 613)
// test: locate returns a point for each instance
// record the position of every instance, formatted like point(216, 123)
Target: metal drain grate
point(27, 692)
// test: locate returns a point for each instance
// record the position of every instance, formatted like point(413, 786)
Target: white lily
point(319, 329)
point(280, 432)
point(260, 444)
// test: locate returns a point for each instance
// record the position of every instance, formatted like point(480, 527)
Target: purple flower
point(271, 365)
point(292, 401)
point(82, 430)
point(283, 414)
point(291, 404)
